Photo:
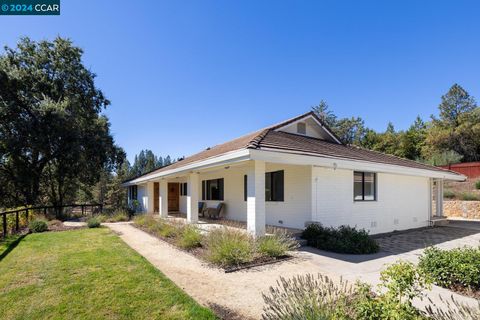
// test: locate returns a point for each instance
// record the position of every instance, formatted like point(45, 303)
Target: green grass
point(87, 274)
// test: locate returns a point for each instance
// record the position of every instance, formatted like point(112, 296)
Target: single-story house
point(294, 173)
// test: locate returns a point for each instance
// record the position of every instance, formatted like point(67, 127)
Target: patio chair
point(201, 208)
point(214, 212)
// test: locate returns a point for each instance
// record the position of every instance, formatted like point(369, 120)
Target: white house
point(294, 173)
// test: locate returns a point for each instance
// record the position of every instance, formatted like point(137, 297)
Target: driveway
point(238, 295)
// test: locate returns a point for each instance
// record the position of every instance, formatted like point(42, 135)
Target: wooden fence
point(44, 210)
point(469, 169)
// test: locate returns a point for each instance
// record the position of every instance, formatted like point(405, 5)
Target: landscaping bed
point(455, 269)
point(223, 247)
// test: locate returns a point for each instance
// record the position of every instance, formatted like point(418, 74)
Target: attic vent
point(301, 128)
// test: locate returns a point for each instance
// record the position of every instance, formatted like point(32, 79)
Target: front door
point(156, 196)
point(173, 197)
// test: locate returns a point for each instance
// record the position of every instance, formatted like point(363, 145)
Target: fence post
point(16, 222)
point(45, 212)
point(4, 225)
point(26, 215)
point(83, 210)
point(101, 208)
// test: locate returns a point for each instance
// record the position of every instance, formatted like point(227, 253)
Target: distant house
point(293, 173)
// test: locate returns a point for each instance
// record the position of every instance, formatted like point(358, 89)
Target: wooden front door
point(173, 197)
point(156, 196)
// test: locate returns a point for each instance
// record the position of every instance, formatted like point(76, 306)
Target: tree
point(457, 129)
point(413, 140)
point(322, 110)
point(455, 103)
point(53, 137)
point(350, 130)
point(147, 161)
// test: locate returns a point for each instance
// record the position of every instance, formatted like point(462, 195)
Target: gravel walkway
point(238, 295)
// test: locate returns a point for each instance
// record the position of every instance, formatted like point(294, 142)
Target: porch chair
point(215, 212)
point(201, 208)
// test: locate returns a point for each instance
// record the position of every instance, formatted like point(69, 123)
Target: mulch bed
point(201, 252)
point(57, 225)
point(465, 291)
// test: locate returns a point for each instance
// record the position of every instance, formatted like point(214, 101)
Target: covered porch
point(240, 187)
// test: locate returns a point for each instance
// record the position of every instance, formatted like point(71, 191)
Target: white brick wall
point(402, 201)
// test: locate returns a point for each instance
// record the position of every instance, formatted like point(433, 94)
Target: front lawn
point(87, 274)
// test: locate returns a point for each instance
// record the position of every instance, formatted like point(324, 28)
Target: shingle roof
point(292, 142)
point(268, 138)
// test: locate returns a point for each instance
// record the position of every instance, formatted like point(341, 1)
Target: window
point(183, 189)
point(301, 128)
point(274, 186)
point(132, 192)
point(364, 186)
point(212, 189)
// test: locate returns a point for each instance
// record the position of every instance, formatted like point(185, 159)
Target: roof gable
point(310, 126)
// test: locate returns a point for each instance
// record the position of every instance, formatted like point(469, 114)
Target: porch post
point(256, 199)
point(163, 201)
point(192, 198)
point(439, 198)
point(149, 197)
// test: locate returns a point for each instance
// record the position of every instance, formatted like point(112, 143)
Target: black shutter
point(245, 180)
point(220, 189)
point(279, 186)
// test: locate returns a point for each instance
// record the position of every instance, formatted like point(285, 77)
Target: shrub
point(307, 297)
point(93, 222)
point(477, 185)
point(449, 194)
point(466, 196)
point(448, 268)
point(146, 221)
point(38, 226)
point(401, 282)
point(117, 216)
point(166, 230)
point(157, 227)
point(189, 237)
point(276, 245)
point(229, 247)
point(344, 239)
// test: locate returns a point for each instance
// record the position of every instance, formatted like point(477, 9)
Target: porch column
point(163, 201)
point(192, 198)
point(149, 197)
point(256, 199)
point(439, 198)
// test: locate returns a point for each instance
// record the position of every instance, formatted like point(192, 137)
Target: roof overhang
point(290, 157)
point(224, 159)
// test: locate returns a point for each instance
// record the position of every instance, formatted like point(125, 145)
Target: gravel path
point(238, 295)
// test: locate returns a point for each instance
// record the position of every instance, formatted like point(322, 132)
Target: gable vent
point(301, 128)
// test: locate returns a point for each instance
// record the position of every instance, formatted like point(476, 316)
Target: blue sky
point(184, 75)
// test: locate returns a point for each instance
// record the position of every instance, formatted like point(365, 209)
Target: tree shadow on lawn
point(10, 245)
point(396, 243)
